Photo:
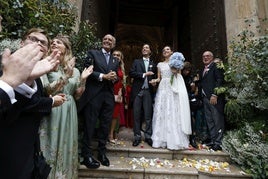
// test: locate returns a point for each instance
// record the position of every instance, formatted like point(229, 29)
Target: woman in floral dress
point(59, 130)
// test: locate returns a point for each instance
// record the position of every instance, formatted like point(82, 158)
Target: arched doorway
point(189, 26)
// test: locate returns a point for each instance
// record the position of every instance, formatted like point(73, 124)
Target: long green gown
point(59, 130)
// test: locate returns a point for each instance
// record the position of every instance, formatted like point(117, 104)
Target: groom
point(142, 71)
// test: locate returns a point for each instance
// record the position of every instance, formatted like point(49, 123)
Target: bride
point(171, 118)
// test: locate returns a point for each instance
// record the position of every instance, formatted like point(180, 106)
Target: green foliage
point(246, 148)
point(84, 40)
point(246, 91)
point(246, 77)
point(54, 16)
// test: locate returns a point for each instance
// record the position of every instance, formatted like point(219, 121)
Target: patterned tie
point(107, 56)
point(205, 70)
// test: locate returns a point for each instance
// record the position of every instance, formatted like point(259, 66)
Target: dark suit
point(142, 99)
point(5, 103)
point(97, 101)
point(19, 125)
point(210, 80)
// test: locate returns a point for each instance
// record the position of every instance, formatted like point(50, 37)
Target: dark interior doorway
point(188, 26)
point(157, 22)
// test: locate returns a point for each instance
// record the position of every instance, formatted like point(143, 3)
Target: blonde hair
point(68, 55)
point(122, 65)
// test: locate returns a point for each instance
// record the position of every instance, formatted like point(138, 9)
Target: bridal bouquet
point(176, 62)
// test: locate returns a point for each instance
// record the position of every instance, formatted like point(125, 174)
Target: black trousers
point(99, 108)
point(215, 120)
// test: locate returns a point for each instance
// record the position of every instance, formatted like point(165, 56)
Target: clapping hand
point(17, 67)
point(44, 66)
point(87, 71)
point(111, 76)
point(70, 67)
point(59, 99)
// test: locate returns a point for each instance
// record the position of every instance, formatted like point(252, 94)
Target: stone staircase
point(145, 162)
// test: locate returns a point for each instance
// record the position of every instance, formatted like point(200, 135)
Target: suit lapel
point(143, 65)
point(102, 60)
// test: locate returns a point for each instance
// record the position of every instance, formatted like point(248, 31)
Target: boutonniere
point(150, 68)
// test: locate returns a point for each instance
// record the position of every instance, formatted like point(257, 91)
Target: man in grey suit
point(211, 78)
point(97, 101)
point(142, 71)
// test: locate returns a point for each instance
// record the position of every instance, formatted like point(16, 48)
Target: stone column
point(1, 23)
point(245, 14)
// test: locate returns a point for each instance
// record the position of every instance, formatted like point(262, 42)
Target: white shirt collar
point(104, 52)
point(145, 58)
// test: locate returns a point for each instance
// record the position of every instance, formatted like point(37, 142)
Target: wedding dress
point(171, 117)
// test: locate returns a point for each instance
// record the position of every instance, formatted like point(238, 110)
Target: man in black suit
point(142, 71)
point(17, 68)
point(97, 101)
point(20, 118)
point(211, 78)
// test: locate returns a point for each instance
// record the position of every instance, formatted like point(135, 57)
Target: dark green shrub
point(247, 149)
point(246, 76)
point(55, 16)
point(246, 91)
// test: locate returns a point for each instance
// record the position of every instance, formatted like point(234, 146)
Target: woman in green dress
point(59, 130)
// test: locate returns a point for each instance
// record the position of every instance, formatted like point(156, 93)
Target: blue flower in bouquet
point(176, 60)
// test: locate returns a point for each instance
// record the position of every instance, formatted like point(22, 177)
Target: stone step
point(125, 149)
point(145, 162)
point(129, 168)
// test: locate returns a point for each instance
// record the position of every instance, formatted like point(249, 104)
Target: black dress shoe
point(216, 147)
point(193, 142)
point(208, 143)
point(90, 162)
point(104, 160)
point(149, 142)
point(136, 143)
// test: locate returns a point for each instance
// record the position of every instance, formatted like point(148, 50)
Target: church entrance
point(188, 26)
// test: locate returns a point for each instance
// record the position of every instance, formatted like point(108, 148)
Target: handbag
point(41, 167)
point(118, 98)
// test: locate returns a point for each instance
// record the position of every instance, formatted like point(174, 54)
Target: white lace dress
point(171, 117)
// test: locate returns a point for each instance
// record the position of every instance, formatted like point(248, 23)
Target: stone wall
point(242, 14)
point(78, 4)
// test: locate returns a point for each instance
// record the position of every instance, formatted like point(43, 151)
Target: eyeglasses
point(35, 39)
